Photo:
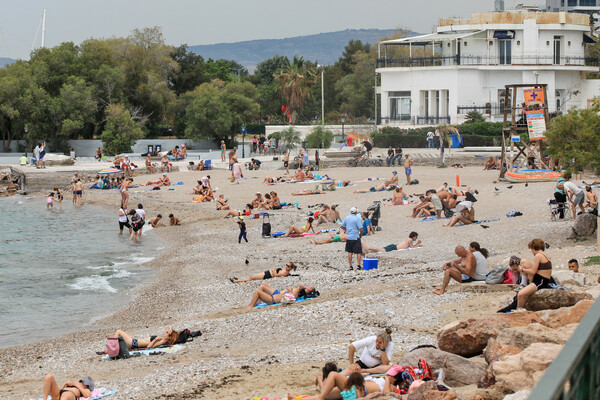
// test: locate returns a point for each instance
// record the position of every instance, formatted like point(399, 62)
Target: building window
point(588, 3)
point(572, 3)
point(505, 51)
point(399, 106)
point(562, 3)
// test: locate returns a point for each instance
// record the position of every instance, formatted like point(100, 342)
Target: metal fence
point(414, 120)
point(490, 109)
point(575, 372)
point(440, 61)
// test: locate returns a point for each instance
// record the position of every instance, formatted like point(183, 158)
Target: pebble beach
point(272, 351)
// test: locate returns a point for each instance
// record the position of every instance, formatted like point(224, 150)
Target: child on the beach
point(50, 201)
point(174, 220)
point(154, 221)
point(242, 226)
point(59, 196)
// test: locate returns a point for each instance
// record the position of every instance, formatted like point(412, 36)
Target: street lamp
point(26, 128)
point(243, 131)
point(322, 93)
point(343, 120)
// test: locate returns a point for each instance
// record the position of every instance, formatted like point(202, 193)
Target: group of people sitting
point(203, 191)
point(270, 201)
point(177, 153)
point(470, 266)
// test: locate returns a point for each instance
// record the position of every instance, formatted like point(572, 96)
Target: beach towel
point(147, 352)
point(96, 394)
point(432, 218)
point(178, 183)
point(298, 300)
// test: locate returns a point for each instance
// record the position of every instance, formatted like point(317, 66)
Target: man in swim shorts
point(410, 243)
point(333, 239)
point(461, 270)
point(407, 168)
point(437, 202)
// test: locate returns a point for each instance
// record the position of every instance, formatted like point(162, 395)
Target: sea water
point(60, 270)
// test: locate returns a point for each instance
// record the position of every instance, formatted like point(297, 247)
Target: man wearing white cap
point(352, 224)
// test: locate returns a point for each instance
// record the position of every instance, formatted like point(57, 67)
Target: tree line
point(124, 89)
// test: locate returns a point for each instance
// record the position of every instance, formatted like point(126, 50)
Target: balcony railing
point(440, 61)
point(414, 120)
point(489, 109)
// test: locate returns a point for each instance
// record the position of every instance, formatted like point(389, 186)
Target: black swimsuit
point(268, 273)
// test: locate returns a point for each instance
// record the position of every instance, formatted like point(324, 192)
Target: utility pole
point(44, 29)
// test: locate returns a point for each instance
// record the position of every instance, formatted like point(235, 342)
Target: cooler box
point(370, 263)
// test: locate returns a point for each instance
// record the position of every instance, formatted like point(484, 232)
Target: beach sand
point(271, 351)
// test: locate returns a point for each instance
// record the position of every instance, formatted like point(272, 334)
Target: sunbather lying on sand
point(69, 391)
point(299, 231)
point(350, 387)
point(170, 337)
point(379, 188)
point(268, 274)
point(307, 192)
point(237, 213)
point(280, 179)
point(411, 243)
point(164, 181)
point(268, 294)
point(334, 238)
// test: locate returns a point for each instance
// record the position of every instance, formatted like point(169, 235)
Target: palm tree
point(445, 132)
point(290, 138)
point(295, 83)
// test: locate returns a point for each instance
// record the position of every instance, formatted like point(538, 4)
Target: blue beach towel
point(298, 300)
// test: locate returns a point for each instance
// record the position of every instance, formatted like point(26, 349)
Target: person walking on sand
point(236, 172)
point(232, 157)
point(242, 226)
point(286, 162)
point(408, 162)
point(352, 225)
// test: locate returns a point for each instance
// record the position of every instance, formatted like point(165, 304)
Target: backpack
point(266, 226)
point(117, 348)
point(496, 275)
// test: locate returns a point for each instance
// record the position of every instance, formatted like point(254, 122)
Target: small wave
point(122, 273)
point(95, 283)
point(135, 260)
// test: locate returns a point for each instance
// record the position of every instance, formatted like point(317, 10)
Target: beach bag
point(496, 275)
point(266, 226)
point(117, 348)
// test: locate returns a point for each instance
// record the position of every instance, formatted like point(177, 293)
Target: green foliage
point(592, 260)
point(420, 141)
point(295, 82)
point(574, 136)
point(267, 69)
point(121, 131)
point(255, 129)
point(474, 116)
point(319, 138)
point(290, 138)
point(190, 73)
point(355, 90)
point(481, 128)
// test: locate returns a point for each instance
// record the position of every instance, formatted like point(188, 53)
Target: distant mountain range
point(326, 48)
point(5, 61)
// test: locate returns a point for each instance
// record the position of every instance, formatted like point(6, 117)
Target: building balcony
point(444, 61)
point(488, 109)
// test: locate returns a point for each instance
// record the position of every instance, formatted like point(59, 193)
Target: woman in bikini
point(466, 214)
point(222, 203)
point(307, 192)
point(59, 197)
point(268, 203)
point(126, 166)
point(268, 294)
point(68, 391)
point(236, 213)
point(124, 193)
point(299, 231)
point(539, 272)
point(268, 274)
point(170, 337)
point(276, 201)
point(350, 387)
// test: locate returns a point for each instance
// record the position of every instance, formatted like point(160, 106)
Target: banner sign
point(536, 125)
point(533, 96)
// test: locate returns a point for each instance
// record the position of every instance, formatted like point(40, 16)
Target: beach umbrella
point(108, 171)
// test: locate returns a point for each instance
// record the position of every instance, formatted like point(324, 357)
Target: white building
point(579, 6)
point(465, 65)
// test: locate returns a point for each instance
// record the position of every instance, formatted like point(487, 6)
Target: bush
point(319, 138)
point(473, 117)
point(481, 128)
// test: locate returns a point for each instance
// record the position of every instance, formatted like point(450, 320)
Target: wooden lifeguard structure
point(522, 119)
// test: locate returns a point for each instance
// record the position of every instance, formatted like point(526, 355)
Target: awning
point(433, 37)
point(504, 34)
point(587, 39)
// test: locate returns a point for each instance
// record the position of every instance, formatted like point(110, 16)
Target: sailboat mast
point(44, 28)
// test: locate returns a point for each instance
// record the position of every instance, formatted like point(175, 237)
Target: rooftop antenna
point(43, 25)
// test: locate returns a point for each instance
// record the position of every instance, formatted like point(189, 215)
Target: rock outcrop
point(551, 299)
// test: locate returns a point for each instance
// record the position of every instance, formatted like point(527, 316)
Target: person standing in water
point(59, 197)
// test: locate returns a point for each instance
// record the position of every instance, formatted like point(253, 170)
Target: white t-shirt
point(370, 356)
point(481, 270)
point(122, 218)
point(141, 213)
point(572, 187)
point(429, 135)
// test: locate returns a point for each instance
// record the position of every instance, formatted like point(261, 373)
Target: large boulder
point(472, 392)
point(58, 159)
point(585, 225)
point(496, 349)
point(569, 278)
point(566, 315)
point(551, 299)
point(523, 370)
point(469, 337)
point(522, 337)
point(458, 371)
point(429, 391)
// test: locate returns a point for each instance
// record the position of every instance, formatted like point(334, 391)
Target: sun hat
point(87, 381)
point(240, 217)
point(353, 210)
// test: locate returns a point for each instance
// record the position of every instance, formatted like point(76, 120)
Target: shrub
point(481, 128)
point(474, 116)
point(319, 138)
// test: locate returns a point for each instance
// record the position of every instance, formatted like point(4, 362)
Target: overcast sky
point(214, 21)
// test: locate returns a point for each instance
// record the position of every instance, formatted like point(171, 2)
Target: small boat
point(532, 175)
